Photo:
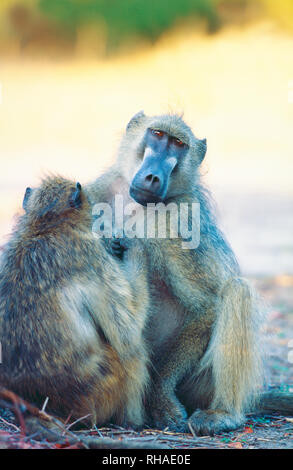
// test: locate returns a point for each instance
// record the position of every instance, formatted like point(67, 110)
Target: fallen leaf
point(235, 445)
point(248, 429)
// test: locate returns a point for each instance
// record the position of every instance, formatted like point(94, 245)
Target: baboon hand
point(116, 246)
point(167, 412)
point(211, 422)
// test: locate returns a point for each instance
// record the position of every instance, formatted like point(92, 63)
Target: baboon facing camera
point(204, 318)
point(70, 319)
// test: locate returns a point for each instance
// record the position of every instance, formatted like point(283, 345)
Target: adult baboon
point(70, 322)
point(204, 319)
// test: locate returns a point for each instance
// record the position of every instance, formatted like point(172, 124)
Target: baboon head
point(161, 156)
point(56, 199)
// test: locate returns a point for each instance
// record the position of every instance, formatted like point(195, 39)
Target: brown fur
point(204, 319)
point(70, 327)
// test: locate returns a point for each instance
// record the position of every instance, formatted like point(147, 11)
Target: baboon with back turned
point(204, 319)
point(70, 323)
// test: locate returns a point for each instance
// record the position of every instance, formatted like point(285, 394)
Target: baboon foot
point(210, 422)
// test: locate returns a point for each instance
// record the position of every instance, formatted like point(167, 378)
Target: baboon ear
point(27, 194)
point(75, 198)
point(202, 149)
point(135, 119)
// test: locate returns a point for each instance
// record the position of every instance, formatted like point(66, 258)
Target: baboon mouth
point(143, 196)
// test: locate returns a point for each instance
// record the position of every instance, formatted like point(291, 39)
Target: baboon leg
point(181, 356)
point(234, 360)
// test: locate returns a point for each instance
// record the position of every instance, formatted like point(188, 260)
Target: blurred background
point(73, 72)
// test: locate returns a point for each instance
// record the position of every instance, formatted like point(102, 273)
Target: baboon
point(71, 315)
point(204, 318)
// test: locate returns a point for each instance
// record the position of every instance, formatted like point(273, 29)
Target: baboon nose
point(152, 182)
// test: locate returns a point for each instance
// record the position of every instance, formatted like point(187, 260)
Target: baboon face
point(161, 156)
point(169, 157)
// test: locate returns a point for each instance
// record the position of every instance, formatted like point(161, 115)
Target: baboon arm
point(182, 353)
point(104, 188)
point(181, 357)
point(184, 281)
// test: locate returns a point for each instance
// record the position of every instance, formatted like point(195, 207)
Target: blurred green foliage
point(101, 27)
point(125, 19)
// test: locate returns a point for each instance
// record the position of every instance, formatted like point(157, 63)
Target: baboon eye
point(157, 133)
point(178, 142)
